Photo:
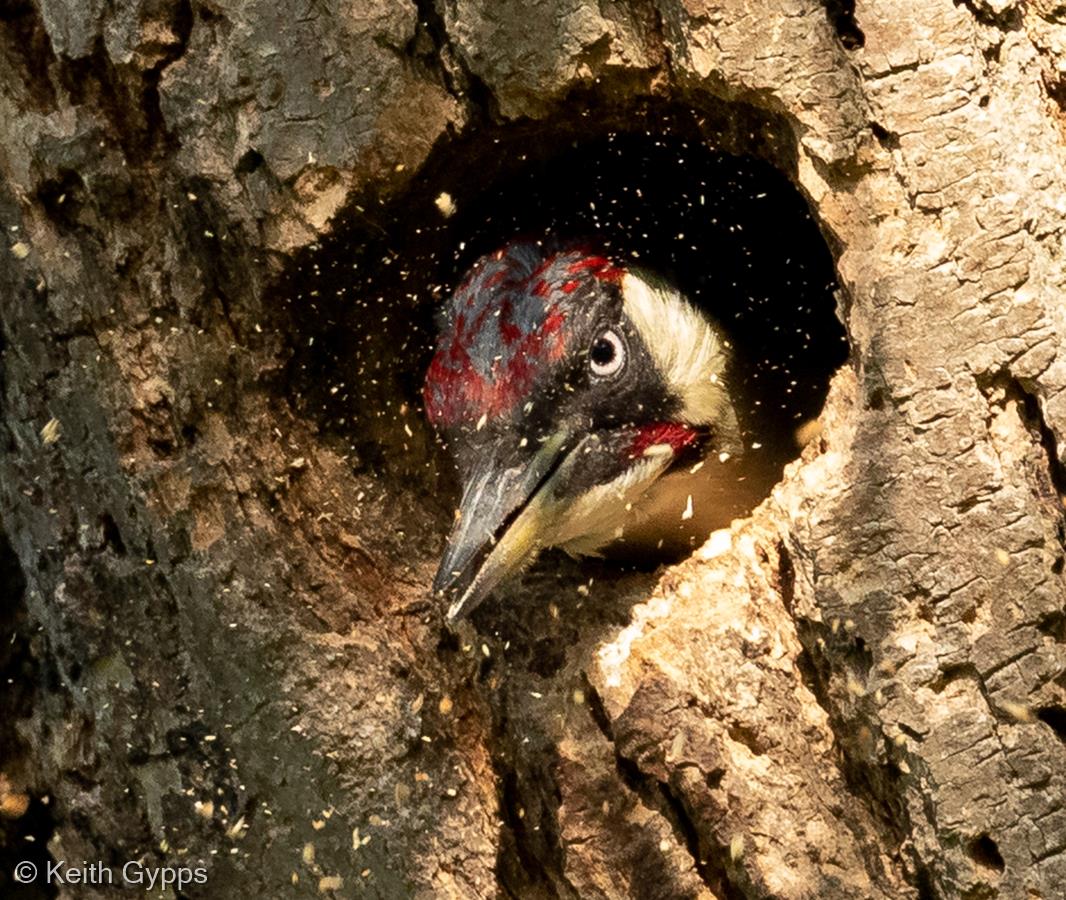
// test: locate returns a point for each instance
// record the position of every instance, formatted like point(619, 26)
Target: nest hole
point(1055, 718)
point(984, 851)
point(699, 197)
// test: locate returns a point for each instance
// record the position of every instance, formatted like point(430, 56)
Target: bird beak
point(504, 510)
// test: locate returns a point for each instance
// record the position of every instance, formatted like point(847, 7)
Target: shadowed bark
point(221, 508)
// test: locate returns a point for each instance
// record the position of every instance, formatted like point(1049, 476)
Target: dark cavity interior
point(729, 228)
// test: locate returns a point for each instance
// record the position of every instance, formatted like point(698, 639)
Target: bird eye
point(607, 355)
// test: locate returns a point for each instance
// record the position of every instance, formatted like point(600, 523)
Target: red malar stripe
point(675, 434)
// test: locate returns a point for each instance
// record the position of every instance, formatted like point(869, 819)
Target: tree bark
point(221, 509)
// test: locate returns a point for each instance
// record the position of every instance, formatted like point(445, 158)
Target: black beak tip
point(441, 582)
point(447, 586)
point(454, 589)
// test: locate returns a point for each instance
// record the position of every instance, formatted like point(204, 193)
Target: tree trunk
point(221, 508)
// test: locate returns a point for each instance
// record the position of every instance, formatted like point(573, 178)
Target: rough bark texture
point(221, 646)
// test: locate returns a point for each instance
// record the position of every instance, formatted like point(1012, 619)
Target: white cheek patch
point(686, 347)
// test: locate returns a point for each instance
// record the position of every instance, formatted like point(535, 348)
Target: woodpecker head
point(564, 386)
